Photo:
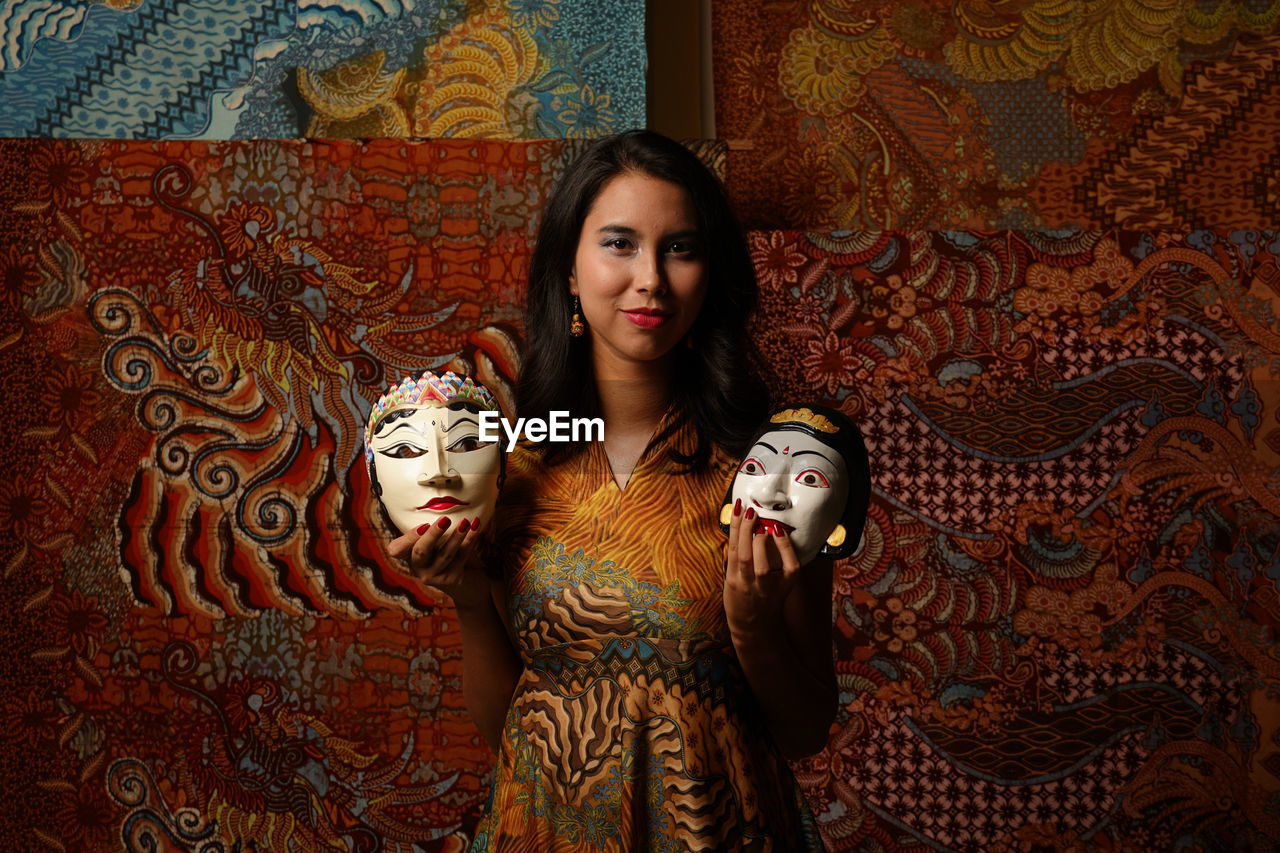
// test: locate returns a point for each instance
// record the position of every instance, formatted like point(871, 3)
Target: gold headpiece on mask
point(805, 416)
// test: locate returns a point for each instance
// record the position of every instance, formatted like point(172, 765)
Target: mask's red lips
point(772, 527)
point(441, 504)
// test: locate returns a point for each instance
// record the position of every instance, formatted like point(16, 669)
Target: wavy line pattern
point(330, 68)
point(23, 23)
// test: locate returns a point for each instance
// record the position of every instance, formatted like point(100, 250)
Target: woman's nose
point(651, 277)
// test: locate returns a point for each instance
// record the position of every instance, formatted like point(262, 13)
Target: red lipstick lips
point(442, 504)
point(647, 318)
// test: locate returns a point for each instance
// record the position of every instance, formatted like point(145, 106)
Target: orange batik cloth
point(632, 726)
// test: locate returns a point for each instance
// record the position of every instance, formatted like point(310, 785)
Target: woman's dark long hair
point(716, 377)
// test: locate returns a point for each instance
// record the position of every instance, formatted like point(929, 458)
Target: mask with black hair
point(805, 474)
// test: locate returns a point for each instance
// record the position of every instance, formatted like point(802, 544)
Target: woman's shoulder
point(530, 479)
point(723, 462)
point(523, 461)
point(525, 470)
point(683, 440)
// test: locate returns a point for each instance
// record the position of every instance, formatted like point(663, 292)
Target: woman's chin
point(648, 352)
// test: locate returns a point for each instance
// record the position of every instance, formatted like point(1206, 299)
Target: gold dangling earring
point(576, 326)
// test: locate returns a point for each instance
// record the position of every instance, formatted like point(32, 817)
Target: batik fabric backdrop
point(205, 643)
point(1137, 114)
point(1058, 632)
point(151, 69)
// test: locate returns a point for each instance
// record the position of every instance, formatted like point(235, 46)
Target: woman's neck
point(632, 396)
point(632, 402)
point(632, 405)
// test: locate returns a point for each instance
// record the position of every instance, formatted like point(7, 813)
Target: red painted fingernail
point(737, 507)
point(475, 525)
point(422, 528)
point(464, 526)
point(751, 513)
point(443, 523)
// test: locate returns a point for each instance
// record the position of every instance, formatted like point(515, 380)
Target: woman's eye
point(682, 247)
point(403, 451)
point(752, 467)
point(812, 477)
point(465, 445)
point(618, 244)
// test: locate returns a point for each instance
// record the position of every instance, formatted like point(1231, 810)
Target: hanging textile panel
point(209, 69)
point(204, 637)
point(1060, 629)
point(1138, 115)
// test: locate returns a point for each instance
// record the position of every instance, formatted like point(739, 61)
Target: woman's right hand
point(446, 560)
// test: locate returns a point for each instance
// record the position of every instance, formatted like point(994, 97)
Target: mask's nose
point(771, 493)
point(436, 468)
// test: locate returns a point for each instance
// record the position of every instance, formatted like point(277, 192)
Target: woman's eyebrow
point(628, 231)
point(682, 234)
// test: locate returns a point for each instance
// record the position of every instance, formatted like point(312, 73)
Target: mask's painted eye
point(812, 477)
point(466, 444)
point(403, 451)
point(751, 467)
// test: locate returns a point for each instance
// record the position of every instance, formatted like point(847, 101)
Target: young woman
point(642, 682)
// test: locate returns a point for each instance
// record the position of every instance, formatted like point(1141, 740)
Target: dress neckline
point(596, 461)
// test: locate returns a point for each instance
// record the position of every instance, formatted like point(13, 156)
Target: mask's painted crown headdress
point(807, 416)
point(428, 389)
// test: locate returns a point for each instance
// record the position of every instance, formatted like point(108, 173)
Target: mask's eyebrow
point(767, 446)
point(822, 456)
point(471, 421)
point(401, 425)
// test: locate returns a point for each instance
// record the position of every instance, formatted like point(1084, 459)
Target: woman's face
point(430, 463)
point(640, 271)
point(794, 483)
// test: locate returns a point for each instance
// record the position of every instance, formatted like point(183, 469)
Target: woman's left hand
point(780, 624)
point(760, 571)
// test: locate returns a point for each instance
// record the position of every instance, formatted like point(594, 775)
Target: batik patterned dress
point(632, 726)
